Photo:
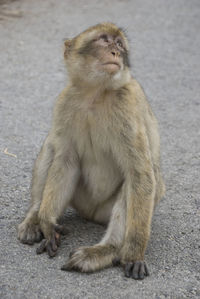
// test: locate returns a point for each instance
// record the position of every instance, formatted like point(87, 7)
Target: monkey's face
point(105, 52)
point(98, 55)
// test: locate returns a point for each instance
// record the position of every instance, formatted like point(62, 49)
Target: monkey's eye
point(104, 37)
point(119, 43)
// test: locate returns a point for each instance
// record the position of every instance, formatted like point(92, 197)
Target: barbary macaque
point(101, 157)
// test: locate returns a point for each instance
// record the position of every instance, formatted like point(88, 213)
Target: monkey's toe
point(51, 246)
point(136, 270)
point(77, 259)
point(29, 233)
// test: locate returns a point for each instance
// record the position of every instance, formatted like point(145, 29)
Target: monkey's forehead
point(108, 28)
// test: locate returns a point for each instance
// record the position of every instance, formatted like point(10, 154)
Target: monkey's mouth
point(111, 66)
point(111, 63)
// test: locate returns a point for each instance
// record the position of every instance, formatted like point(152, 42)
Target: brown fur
point(101, 156)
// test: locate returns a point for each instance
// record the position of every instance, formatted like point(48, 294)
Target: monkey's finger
point(128, 268)
point(57, 239)
point(53, 244)
point(42, 247)
point(141, 273)
point(38, 237)
point(135, 271)
point(50, 250)
point(146, 269)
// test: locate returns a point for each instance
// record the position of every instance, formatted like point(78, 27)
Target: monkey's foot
point(51, 245)
point(29, 233)
point(90, 259)
point(136, 270)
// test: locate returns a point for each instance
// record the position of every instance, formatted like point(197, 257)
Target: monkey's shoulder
point(133, 97)
point(65, 102)
point(133, 90)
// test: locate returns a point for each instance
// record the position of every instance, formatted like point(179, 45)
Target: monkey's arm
point(139, 197)
point(61, 182)
point(29, 230)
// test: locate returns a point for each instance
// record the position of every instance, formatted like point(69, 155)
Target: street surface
point(165, 48)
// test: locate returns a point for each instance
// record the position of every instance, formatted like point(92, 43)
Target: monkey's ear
point(68, 46)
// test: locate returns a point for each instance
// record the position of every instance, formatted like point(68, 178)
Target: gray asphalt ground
point(165, 48)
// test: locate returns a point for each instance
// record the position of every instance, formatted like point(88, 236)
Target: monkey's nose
point(115, 53)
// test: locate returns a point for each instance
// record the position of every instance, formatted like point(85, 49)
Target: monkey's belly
point(97, 189)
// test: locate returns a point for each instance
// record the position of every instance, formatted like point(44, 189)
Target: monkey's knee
point(29, 232)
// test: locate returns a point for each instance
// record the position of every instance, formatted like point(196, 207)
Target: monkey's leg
point(89, 259)
point(29, 230)
point(139, 209)
point(61, 182)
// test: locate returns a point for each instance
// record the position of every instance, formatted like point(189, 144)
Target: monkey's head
point(98, 56)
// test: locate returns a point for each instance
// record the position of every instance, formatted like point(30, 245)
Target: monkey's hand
point(136, 270)
point(133, 263)
point(52, 239)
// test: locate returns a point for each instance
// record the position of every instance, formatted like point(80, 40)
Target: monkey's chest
point(92, 132)
point(99, 169)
